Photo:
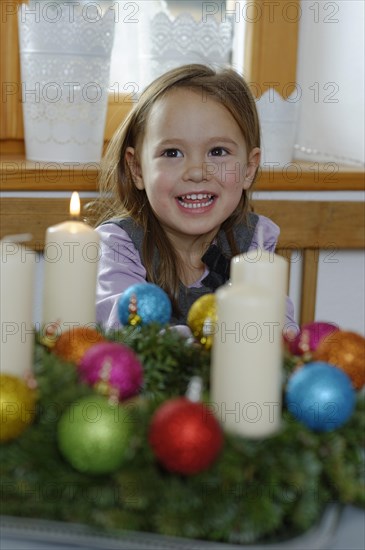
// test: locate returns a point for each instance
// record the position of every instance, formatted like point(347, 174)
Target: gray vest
point(217, 258)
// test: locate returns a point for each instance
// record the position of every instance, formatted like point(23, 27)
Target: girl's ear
point(252, 166)
point(134, 166)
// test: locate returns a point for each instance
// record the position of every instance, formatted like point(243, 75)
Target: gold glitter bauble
point(345, 350)
point(17, 403)
point(73, 344)
point(202, 319)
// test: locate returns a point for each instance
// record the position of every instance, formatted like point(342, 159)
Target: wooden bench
point(306, 228)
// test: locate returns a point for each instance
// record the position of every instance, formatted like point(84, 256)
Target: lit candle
point(71, 256)
point(16, 306)
point(247, 360)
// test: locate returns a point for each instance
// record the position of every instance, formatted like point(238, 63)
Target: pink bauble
point(113, 369)
point(309, 337)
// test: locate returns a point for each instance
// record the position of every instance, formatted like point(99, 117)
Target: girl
point(178, 171)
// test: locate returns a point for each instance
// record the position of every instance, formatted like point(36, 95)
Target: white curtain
point(128, 71)
point(153, 36)
point(331, 79)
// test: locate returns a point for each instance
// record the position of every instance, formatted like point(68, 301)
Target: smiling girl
point(178, 171)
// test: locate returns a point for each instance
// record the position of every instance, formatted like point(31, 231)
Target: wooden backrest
point(306, 228)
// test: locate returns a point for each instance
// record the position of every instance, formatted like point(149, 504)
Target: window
point(263, 62)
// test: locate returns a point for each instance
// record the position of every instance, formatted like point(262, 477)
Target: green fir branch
point(262, 490)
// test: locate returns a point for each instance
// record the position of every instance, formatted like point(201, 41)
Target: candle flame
point(75, 204)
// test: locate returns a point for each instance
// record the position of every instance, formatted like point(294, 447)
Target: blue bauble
point(144, 303)
point(320, 396)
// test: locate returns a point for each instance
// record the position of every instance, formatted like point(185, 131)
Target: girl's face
point(193, 164)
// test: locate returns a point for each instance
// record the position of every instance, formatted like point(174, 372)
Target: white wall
point(340, 294)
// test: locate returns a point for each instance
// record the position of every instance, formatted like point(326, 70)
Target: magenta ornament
point(113, 369)
point(309, 337)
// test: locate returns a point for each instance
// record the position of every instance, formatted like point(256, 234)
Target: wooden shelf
point(18, 174)
point(302, 175)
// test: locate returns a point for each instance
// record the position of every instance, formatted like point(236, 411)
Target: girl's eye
point(218, 152)
point(172, 153)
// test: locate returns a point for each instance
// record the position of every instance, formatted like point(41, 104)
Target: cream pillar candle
point(16, 306)
point(247, 360)
point(71, 257)
point(261, 267)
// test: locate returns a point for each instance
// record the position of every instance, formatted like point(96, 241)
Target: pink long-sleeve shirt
point(120, 266)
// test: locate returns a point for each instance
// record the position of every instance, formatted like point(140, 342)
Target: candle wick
point(75, 218)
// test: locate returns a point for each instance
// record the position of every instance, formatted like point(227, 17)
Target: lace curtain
point(154, 36)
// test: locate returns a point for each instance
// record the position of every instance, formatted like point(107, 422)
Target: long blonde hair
point(120, 198)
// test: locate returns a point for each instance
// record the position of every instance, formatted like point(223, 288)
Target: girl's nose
point(195, 171)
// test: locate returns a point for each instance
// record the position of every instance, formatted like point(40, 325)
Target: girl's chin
point(194, 230)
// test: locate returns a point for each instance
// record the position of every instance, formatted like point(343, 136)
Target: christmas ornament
point(50, 334)
point(18, 403)
point(144, 303)
point(73, 343)
point(113, 369)
point(93, 435)
point(320, 396)
point(345, 350)
point(309, 337)
point(202, 319)
point(184, 435)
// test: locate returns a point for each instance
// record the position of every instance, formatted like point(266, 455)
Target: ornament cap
point(195, 388)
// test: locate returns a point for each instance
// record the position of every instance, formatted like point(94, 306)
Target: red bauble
point(185, 436)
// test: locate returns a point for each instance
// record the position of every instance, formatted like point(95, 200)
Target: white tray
point(32, 534)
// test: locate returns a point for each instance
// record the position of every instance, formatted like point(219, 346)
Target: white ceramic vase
point(65, 50)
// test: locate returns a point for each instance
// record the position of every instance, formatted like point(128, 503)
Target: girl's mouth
point(196, 200)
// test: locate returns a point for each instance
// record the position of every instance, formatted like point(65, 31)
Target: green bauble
point(93, 435)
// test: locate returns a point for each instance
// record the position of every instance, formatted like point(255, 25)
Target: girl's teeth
point(195, 197)
point(191, 205)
